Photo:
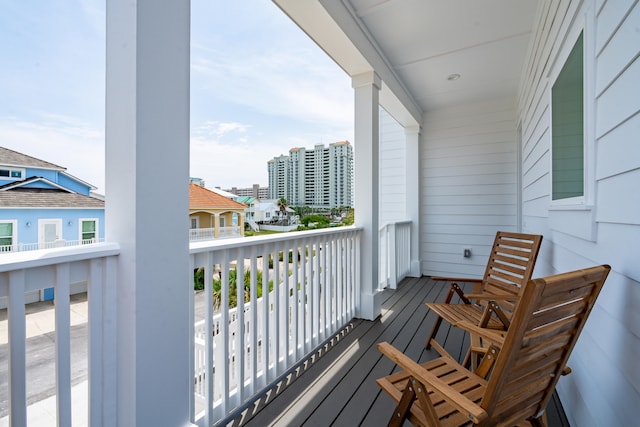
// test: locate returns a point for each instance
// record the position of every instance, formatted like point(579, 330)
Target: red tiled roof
point(201, 198)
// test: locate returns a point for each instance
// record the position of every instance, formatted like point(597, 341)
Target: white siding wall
point(604, 388)
point(392, 170)
point(468, 185)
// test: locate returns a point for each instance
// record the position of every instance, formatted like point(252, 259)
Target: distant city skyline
point(319, 177)
point(259, 86)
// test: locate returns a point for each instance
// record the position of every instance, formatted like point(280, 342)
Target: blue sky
point(259, 86)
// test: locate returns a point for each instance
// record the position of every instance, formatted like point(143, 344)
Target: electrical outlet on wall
point(466, 252)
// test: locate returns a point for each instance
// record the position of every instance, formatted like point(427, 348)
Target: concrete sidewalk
point(40, 332)
point(40, 327)
point(41, 317)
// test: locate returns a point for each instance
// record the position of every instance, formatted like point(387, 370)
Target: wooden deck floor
point(336, 387)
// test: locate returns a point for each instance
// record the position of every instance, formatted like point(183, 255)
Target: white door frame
point(42, 223)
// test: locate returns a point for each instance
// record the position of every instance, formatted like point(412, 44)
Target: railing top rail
point(43, 257)
point(387, 224)
point(241, 242)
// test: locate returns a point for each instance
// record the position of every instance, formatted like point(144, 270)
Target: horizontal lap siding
point(468, 185)
point(392, 170)
point(608, 394)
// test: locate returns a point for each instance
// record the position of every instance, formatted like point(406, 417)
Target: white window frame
point(97, 231)
point(11, 170)
point(575, 216)
point(197, 222)
point(14, 232)
point(584, 23)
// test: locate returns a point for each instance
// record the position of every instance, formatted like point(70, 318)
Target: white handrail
point(394, 253)
point(22, 247)
point(307, 294)
point(292, 306)
point(59, 268)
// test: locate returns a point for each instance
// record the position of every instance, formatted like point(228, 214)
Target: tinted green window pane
point(5, 241)
point(567, 128)
point(88, 226)
point(88, 230)
point(6, 229)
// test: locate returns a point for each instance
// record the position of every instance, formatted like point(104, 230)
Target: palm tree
point(282, 204)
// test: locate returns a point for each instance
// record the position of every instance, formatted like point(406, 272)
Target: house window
point(88, 230)
point(7, 235)
point(567, 127)
point(12, 173)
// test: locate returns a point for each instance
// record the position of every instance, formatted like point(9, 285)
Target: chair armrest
point(475, 413)
point(494, 297)
point(492, 335)
point(456, 279)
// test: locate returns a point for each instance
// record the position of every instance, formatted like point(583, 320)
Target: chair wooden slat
point(510, 265)
point(533, 355)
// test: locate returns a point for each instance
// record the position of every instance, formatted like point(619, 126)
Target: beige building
point(211, 216)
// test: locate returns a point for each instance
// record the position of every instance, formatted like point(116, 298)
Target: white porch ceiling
point(419, 43)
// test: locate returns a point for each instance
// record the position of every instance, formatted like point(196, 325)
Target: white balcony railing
point(293, 305)
point(395, 253)
point(199, 234)
point(59, 268)
point(21, 247)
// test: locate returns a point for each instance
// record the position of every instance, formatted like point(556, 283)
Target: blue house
point(43, 206)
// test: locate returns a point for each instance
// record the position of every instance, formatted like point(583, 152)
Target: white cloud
point(229, 165)
point(219, 129)
point(297, 84)
point(259, 88)
point(63, 141)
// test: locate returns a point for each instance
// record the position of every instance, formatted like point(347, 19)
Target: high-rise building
point(255, 191)
point(321, 177)
point(278, 169)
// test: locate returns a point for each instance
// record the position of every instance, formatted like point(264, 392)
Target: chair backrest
point(510, 265)
point(544, 329)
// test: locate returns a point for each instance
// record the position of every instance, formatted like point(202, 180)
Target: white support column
point(366, 154)
point(412, 188)
point(147, 131)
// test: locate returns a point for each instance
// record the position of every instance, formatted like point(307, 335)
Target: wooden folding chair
point(544, 329)
point(510, 266)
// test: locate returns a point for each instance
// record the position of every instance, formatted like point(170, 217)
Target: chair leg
point(404, 405)
point(541, 421)
point(453, 289)
point(432, 335)
point(472, 358)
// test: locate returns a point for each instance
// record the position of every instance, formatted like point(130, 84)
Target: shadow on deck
point(336, 385)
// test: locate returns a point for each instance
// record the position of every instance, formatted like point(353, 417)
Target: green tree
point(233, 288)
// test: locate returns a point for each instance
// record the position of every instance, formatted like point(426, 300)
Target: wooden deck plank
point(308, 400)
point(409, 318)
point(337, 386)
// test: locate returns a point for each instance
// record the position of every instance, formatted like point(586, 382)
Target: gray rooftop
point(39, 198)
point(13, 158)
